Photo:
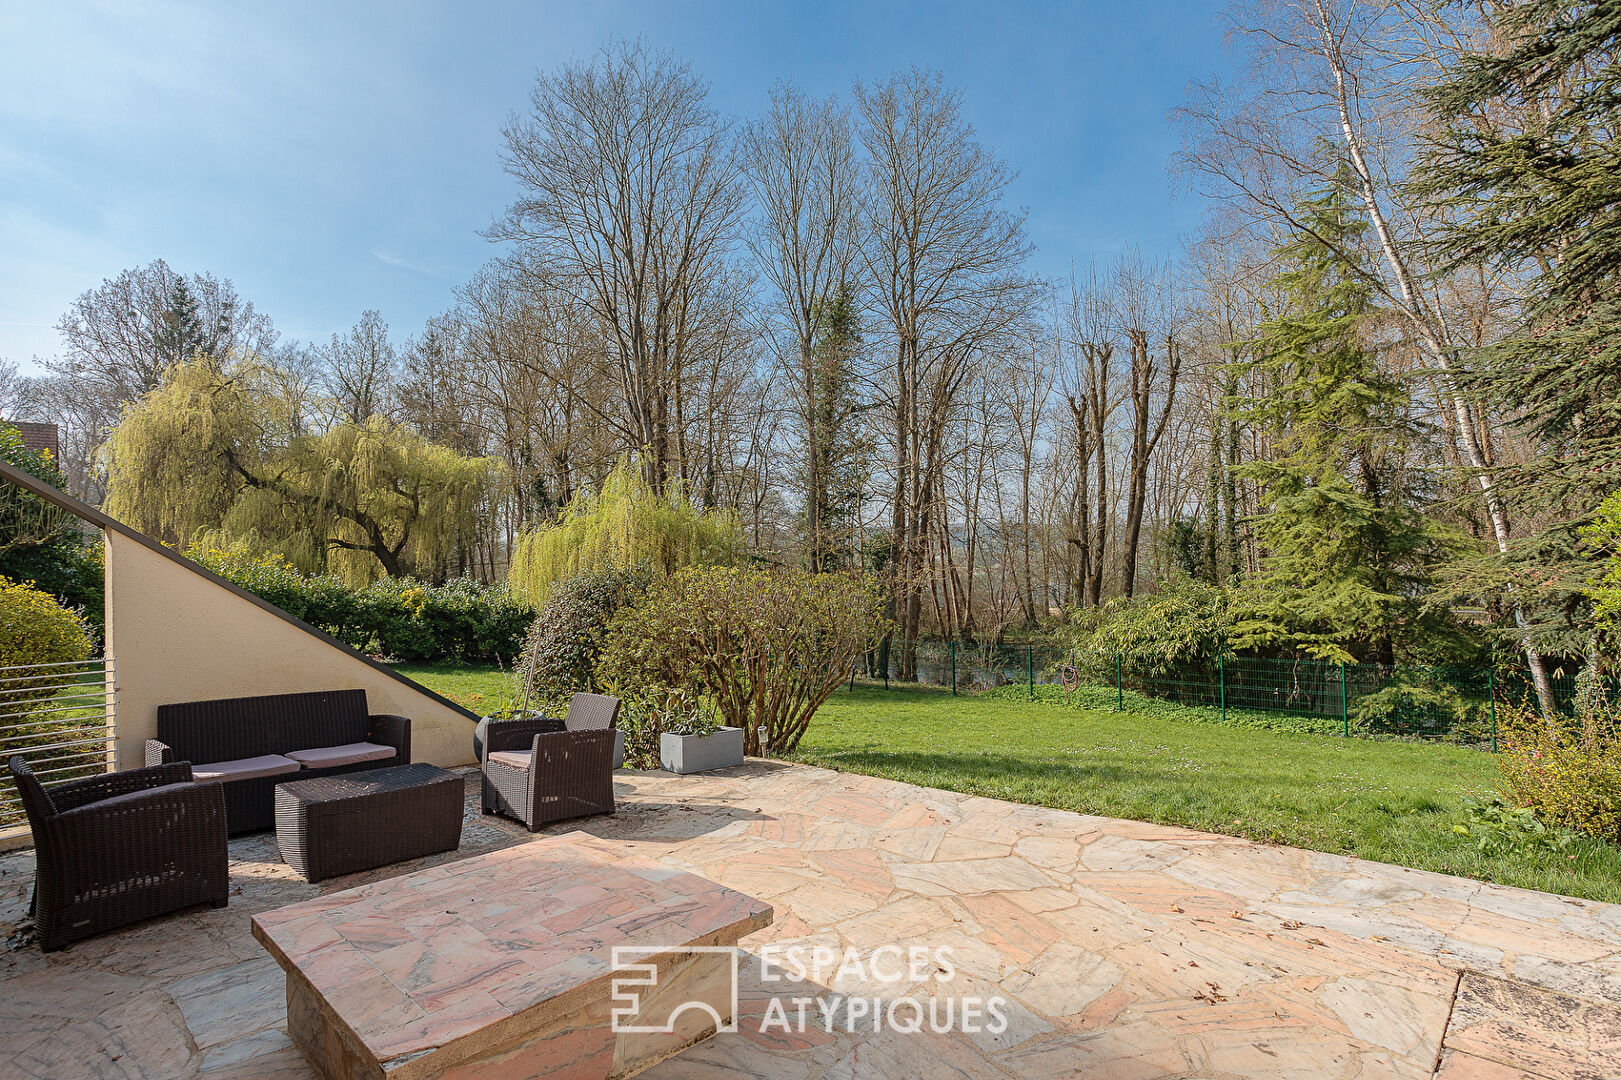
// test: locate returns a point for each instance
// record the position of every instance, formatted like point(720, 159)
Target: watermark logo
point(906, 990)
point(630, 1015)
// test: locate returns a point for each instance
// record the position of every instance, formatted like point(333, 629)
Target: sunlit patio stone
point(1122, 949)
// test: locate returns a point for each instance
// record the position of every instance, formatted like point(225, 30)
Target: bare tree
point(114, 340)
point(13, 391)
point(81, 419)
point(432, 394)
point(1024, 393)
point(800, 158)
point(359, 370)
point(1090, 385)
point(630, 197)
point(1151, 324)
point(945, 259)
point(296, 370)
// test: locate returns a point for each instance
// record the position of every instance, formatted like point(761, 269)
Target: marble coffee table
point(503, 965)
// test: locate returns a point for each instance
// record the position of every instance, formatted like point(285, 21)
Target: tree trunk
point(1429, 340)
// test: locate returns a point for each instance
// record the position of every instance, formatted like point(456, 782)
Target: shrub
point(766, 646)
point(1188, 625)
point(36, 629)
point(42, 544)
point(69, 571)
point(560, 653)
point(461, 621)
point(1567, 770)
point(1426, 707)
point(647, 713)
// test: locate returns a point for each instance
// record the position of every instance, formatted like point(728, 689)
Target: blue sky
point(332, 157)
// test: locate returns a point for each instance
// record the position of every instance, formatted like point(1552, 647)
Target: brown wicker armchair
point(124, 846)
point(537, 771)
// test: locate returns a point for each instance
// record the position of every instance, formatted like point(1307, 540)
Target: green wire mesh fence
point(1455, 704)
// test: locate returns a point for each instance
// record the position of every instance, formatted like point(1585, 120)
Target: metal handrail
point(87, 665)
point(86, 710)
point(63, 744)
point(57, 709)
point(66, 728)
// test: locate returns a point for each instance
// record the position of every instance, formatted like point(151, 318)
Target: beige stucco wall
point(175, 635)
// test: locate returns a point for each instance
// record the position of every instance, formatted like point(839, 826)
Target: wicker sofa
point(118, 848)
point(251, 744)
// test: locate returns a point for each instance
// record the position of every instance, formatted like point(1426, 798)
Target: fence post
point(1119, 694)
point(1221, 679)
point(953, 668)
point(1345, 713)
point(1491, 700)
point(1030, 668)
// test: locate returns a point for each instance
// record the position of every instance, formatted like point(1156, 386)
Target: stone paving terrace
point(1124, 951)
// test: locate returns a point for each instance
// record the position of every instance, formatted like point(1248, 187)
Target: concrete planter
point(701, 753)
point(619, 749)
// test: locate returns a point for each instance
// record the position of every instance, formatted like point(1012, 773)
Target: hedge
point(461, 621)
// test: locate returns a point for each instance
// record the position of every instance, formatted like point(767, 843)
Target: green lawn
point(480, 689)
point(1390, 801)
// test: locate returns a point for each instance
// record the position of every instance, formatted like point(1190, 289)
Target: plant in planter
point(691, 739)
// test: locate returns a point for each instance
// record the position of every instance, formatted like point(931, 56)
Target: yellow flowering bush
point(35, 629)
point(1568, 771)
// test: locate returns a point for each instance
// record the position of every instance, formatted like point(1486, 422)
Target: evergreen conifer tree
point(1525, 172)
point(179, 335)
point(1348, 550)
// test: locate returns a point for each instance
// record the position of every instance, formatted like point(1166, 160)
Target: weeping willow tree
point(211, 457)
point(626, 525)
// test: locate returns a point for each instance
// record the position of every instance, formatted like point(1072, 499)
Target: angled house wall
point(180, 633)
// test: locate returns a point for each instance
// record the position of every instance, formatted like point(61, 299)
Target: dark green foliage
point(560, 654)
point(833, 476)
point(1526, 173)
point(766, 647)
point(1543, 195)
point(1191, 546)
point(408, 621)
point(1349, 546)
point(71, 572)
point(179, 334)
point(43, 545)
point(1419, 706)
point(1187, 625)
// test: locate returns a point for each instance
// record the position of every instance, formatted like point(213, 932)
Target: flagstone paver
point(1118, 949)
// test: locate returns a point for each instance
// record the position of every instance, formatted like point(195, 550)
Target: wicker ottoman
point(356, 821)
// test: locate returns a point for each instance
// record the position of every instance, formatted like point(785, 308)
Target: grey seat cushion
point(331, 757)
point(513, 759)
point(250, 768)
